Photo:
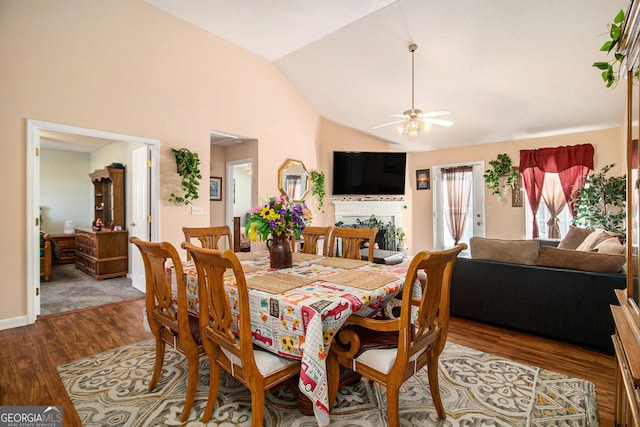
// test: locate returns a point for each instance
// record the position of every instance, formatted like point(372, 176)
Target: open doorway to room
point(75, 144)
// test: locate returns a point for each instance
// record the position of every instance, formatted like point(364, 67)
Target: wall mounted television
point(368, 173)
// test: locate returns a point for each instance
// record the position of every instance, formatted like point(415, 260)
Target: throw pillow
point(610, 246)
point(580, 260)
point(591, 241)
point(512, 251)
point(574, 237)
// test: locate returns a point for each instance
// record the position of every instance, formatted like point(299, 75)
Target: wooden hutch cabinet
point(104, 254)
point(626, 315)
point(108, 195)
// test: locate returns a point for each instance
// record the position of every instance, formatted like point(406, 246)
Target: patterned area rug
point(478, 389)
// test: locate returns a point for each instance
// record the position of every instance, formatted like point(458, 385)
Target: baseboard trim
point(13, 322)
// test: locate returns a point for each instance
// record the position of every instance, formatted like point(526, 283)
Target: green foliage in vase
point(600, 202)
point(611, 69)
point(188, 164)
point(500, 167)
point(317, 188)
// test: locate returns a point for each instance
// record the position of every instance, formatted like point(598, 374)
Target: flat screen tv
point(368, 173)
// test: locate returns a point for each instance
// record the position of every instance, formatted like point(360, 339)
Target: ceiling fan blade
point(438, 122)
point(435, 113)
point(388, 124)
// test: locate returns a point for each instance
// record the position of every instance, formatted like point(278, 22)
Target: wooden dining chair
point(209, 237)
point(352, 239)
point(170, 323)
point(311, 235)
point(228, 343)
point(390, 351)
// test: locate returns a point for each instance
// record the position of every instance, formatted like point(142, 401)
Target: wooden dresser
point(102, 254)
point(626, 342)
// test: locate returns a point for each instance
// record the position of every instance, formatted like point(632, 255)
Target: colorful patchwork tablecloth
point(296, 312)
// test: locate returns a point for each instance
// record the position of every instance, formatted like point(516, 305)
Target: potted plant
point(317, 188)
point(600, 202)
point(501, 167)
point(188, 164)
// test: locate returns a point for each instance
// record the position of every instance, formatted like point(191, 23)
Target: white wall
point(66, 193)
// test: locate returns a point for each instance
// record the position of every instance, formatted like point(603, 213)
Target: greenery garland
point(609, 75)
point(188, 164)
point(317, 188)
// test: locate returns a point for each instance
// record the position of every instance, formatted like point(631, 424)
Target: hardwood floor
point(30, 354)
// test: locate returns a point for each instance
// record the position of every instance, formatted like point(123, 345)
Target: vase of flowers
point(277, 222)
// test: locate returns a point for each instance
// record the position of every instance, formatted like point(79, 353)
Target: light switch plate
point(196, 210)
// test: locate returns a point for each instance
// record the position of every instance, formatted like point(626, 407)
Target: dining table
point(296, 312)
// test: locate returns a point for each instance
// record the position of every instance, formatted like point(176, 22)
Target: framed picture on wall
point(423, 179)
point(215, 188)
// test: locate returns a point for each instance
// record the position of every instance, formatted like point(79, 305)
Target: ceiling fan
point(414, 119)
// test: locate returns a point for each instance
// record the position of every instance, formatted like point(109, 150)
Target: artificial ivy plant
point(611, 69)
point(317, 188)
point(600, 202)
point(500, 167)
point(188, 164)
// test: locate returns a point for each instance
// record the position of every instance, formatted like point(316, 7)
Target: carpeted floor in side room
point(70, 289)
point(478, 389)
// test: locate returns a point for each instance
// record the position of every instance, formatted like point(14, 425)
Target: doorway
point(34, 130)
point(475, 225)
point(240, 190)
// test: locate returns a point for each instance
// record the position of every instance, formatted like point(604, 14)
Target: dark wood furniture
point(102, 254)
point(626, 315)
point(45, 256)
point(64, 247)
point(108, 195)
point(626, 342)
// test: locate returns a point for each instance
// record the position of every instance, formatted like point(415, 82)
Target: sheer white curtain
point(457, 185)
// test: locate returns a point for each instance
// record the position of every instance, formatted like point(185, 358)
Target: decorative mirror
point(293, 180)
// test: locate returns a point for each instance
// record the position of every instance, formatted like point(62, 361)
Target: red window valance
point(557, 159)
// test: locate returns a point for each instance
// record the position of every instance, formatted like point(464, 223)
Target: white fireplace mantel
point(348, 211)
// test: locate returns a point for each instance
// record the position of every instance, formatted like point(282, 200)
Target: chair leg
point(257, 407)
point(192, 385)
point(393, 405)
point(157, 369)
point(214, 384)
point(434, 386)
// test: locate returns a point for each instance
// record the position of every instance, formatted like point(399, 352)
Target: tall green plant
point(188, 164)
point(600, 202)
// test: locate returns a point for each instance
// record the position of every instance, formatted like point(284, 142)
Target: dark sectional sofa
point(567, 305)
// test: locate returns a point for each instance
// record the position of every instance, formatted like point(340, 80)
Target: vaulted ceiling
point(504, 69)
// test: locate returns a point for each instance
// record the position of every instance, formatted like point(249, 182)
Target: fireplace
point(349, 211)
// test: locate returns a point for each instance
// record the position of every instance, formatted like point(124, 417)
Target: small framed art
point(215, 188)
point(423, 179)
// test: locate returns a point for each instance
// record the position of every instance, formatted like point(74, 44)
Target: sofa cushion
point(610, 246)
point(580, 260)
point(574, 237)
point(513, 251)
point(591, 241)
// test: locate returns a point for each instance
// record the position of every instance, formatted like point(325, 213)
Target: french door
point(475, 224)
